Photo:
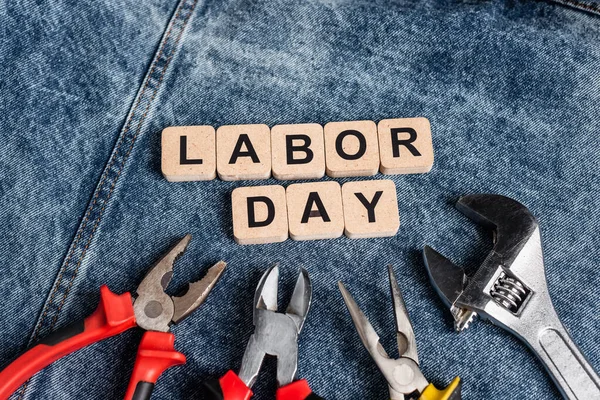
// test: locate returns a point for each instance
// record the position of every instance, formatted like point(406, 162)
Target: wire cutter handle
point(113, 316)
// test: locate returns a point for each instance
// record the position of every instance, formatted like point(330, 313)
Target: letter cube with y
point(315, 210)
point(351, 148)
point(370, 209)
point(405, 146)
point(259, 214)
point(243, 152)
point(188, 153)
point(298, 151)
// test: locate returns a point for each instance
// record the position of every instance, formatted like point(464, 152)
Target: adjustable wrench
point(509, 289)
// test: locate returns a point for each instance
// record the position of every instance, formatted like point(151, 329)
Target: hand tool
point(150, 309)
point(509, 289)
point(275, 334)
point(404, 377)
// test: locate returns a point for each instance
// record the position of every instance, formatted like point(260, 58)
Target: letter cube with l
point(259, 214)
point(315, 210)
point(405, 146)
point(243, 152)
point(370, 209)
point(298, 151)
point(188, 153)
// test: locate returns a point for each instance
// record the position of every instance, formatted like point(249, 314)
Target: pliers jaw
point(154, 309)
point(403, 374)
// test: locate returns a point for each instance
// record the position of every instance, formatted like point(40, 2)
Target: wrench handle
point(568, 367)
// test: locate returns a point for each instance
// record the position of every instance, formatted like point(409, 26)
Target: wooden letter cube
point(370, 209)
point(351, 148)
point(259, 214)
point(298, 151)
point(315, 210)
point(243, 152)
point(405, 146)
point(188, 153)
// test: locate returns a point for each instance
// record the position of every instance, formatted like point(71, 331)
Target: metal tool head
point(514, 227)
point(275, 333)
point(154, 308)
point(265, 297)
point(403, 375)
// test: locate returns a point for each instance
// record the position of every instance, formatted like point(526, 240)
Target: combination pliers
point(150, 308)
point(275, 334)
point(404, 377)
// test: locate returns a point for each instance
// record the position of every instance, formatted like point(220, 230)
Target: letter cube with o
point(405, 146)
point(243, 152)
point(259, 214)
point(370, 209)
point(351, 148)
point(315, 210)
point(188, 153)
point(298, 151)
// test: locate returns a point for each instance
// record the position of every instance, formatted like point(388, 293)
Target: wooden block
point(351, 148)
point(243, 152)
point(259, 214)
point(188, 153)
point(298, 151)
point(405, 146)
point(370, 209)
point(315, 210)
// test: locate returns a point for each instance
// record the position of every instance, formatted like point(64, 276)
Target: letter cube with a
point(315, 210)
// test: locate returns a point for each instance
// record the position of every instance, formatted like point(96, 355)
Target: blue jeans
point(512, 92)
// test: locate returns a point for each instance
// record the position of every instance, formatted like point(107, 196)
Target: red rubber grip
point(297, 390)
point(113, 315)
point(233, 387)
point(155, 355)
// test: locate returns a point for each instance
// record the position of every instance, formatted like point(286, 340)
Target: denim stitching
point(180, 23)
point(592, 8)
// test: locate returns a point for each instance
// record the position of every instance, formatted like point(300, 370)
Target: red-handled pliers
point(150, 308)
point(275, 334)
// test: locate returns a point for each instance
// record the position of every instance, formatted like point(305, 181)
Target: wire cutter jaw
point(154, 309)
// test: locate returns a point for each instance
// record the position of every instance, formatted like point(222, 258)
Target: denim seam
point(179, 22)
point(592, 8)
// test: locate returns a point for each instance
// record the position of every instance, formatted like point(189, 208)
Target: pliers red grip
point(152, 310)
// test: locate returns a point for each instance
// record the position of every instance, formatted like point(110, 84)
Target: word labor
point(297, 151)
point(316, 210)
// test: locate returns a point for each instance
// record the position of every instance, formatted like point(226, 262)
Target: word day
point(314, 210)
point(297, 151)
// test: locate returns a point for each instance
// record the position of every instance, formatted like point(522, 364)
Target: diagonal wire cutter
point(404, 377)
point(275, 334)
point(150, 308)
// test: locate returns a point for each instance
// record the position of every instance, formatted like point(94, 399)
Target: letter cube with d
point(259, 214)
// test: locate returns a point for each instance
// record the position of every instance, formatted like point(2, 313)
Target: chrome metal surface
point(510, 290)
point(402, 374)
point(276, 334)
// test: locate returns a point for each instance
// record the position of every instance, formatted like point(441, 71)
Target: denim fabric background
point(512, 91)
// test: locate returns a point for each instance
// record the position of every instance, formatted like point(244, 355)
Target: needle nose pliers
point(404, 377)
point(150, 308)
point(275, 334)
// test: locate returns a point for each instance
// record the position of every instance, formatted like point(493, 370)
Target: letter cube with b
point(259, 214)
point(298, 151)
